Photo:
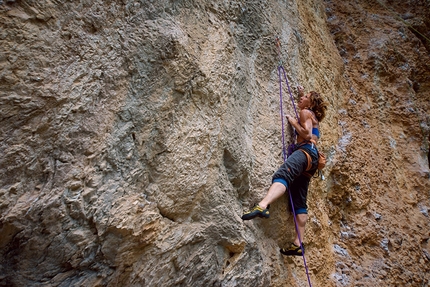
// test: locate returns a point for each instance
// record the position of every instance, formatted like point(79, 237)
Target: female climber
point(299, 167)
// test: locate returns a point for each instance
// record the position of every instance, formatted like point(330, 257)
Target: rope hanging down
point(284, 152)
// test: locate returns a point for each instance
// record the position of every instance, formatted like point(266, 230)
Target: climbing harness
point(291, 147)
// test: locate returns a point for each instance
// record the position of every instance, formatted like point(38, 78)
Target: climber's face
point(305, 101)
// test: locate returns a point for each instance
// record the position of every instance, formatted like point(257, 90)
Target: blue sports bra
point(316, 132)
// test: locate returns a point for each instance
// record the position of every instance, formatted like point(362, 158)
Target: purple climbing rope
point(280, 67)
point(291, 146)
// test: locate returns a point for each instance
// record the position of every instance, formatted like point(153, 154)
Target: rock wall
point(135, 133)
point(379, 192)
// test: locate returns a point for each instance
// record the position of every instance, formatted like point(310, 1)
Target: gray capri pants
point(291, 174)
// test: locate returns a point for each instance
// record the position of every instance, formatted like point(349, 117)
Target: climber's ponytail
point(318, 106)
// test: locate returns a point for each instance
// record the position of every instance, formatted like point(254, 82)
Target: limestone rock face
point(379, 191)
point(134, 134)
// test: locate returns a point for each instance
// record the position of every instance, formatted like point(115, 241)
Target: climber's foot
point(256, 211)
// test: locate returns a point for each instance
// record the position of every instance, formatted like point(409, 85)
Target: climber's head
point(317, 105)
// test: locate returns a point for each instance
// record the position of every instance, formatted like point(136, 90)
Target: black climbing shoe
point(256, 211)
point(293, 250)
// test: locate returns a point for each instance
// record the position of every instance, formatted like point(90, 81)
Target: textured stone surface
point(133, 134)
point(380, 191)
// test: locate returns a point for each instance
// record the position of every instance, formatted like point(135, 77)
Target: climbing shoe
point(293, 250)
point(256, 211)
